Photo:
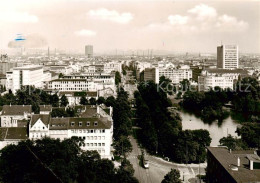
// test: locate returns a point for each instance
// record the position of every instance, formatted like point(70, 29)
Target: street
point(158, 167)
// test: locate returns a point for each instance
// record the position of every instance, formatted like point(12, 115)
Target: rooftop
point(229, 160)
point(16, 109)
point(45, 118)
point(222, 71)
point(13, 133)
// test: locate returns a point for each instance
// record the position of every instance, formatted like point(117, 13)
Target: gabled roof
point(13, 133)
point(16, 109)
point(45, 118)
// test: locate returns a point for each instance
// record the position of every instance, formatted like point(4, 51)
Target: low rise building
point(12, 135)
point(10, 114)
point(95, 127)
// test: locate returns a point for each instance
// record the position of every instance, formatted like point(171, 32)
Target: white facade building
point(87, 82)
point(25, 76)
point(176, 74)
point(222, 78)
point(96, 129)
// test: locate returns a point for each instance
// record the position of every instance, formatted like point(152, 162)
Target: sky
point(177, 26)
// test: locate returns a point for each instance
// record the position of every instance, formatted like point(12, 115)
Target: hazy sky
point(194, 26)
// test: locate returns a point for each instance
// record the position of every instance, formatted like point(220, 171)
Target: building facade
point(11, 114)
point(227, 57)
point(176, 75)
point(223, 78)
point(89, 51)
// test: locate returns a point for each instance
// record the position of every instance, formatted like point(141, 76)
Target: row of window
point(88, 131)
point(95, 144)
point(93, 138)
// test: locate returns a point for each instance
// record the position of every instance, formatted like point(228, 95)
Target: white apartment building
point(96, 131)
point(227, 57)
point(24, 76)
point(112, 66)
point(176, 74)
point(84, 82)
point(222, 78)
point(11, 114)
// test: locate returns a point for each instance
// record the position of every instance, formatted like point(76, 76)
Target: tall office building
point(227, 57)
point(89, 51)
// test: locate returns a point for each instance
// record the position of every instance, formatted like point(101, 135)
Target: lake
point(216, 130)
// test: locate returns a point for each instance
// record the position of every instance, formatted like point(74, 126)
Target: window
point(88, 123)
point(103, 131)
point(103, 144)
point(72, 123)
point(91, 131)
point(80, 123)
point(95, 123)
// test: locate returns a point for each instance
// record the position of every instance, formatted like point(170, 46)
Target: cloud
point(17, 17)
point(201, 18)
point(203, 12)
point(111, 15)
point(177, 19)
point(85, 32)
point(30, 41)
point(229, 23)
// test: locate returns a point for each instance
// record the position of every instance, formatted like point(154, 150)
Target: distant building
point(227, 57)
point(6, 66)
point(89, 51)
point(151, 74)
point(224, 166)
point(223, 78)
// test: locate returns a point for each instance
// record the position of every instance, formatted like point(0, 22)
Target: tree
point(117, 78)
point(83, 100)
point(110, 101)
point(61, 75)
point(250, 134)
point(92, 101)
point(55, 161)
point(172, 177)
point(232, 143)
point(64, 101)
point(58, 112)
point(54, 100)
point(101, 100)
point(123, 146)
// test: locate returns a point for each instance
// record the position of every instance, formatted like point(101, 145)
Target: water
point(216, 130)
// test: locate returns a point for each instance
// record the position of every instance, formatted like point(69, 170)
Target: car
point(146, 163)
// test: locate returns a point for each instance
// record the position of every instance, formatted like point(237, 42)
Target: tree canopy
point(50, 160)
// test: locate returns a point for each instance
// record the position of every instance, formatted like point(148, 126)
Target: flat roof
point(229, 160)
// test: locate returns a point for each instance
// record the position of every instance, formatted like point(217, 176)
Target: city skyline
point(188, 26)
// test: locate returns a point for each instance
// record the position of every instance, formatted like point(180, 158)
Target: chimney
point(23, 105)
point(238, 161)
point(230, 151)
point(251, 164)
